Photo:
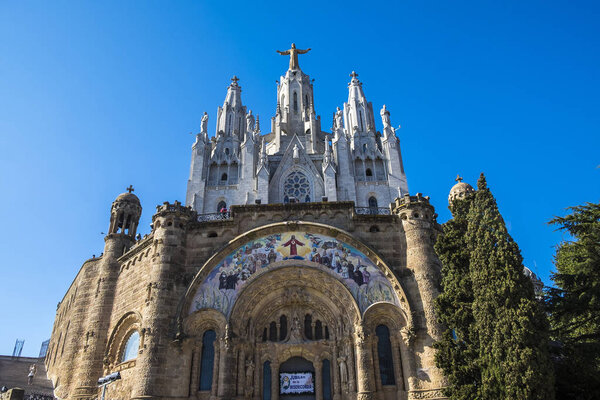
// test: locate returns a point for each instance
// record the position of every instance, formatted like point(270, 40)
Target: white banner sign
point(296, 383)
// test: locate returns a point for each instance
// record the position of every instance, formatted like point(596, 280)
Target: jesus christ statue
point(293, 53)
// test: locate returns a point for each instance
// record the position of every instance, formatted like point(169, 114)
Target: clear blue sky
point(95, 96)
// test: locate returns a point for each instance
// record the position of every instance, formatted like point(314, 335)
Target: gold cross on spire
point(130, 189)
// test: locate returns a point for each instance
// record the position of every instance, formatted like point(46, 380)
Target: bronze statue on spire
point(293, 53)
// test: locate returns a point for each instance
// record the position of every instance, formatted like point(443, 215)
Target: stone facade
point(214, 305)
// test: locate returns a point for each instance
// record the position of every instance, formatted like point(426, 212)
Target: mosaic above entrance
point(363, 279)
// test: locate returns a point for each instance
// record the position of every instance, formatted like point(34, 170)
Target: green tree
point(574, 304)
point(496, 343)
point(512, 327)
point(458, 349)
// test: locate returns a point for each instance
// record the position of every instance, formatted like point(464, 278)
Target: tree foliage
point(499, 349)
point(574, 304)
point(457, 350)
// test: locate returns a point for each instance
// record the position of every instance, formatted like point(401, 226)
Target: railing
point(372, 210)
point(220, 216)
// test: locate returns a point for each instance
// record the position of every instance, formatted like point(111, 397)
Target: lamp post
point(107, 380)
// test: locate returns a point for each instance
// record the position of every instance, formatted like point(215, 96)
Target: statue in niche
point(204, 123)
point(339, 122)
point(343, 372)
point(249, 378)
point(296, 330)
point(296, 153)
point(250, 122)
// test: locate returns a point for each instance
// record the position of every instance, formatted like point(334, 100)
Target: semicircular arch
point(261, 248)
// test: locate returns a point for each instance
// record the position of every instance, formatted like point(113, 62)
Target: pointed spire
point(234, 93)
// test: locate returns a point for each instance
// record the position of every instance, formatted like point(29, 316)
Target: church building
point(299, 267)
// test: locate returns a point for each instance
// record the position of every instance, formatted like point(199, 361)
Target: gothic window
point(368, 172)
point(207, 360)
point(295, 102)
point(373, 204)
point(221, 206)
point(227, 150)
point(282, 327)
point(360, 119)
point(384, 351)
point(306, 100)
point(296, 185)
point(131, 347)
point(266, 381)
point(224, 178)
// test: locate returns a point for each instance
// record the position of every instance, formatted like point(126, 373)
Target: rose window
point(297, 186)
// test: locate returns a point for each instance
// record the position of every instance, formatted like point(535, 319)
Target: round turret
point(125, 214)
point(460, 190)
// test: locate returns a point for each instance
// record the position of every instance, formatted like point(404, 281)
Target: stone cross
point(130, 189)
point(458, 178)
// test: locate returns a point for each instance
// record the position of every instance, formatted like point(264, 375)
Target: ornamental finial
point(458, 178)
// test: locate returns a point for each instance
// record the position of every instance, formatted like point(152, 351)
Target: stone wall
point(155, 274)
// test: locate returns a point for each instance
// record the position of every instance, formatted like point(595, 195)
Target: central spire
point(293, 53)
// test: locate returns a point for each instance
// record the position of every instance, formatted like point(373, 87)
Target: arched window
point(131, 347)
point(368, 172)
point(207, 360)
point(266, 381)
point(273, 331)
point(295, 102)
point(221, 206)
point(384, 351)
point(308, 326)
point(224, 178)
point(296, 185)
point(360, 119)
point(282, 327)
point(326, 380)
point(373, 202)
point(227, 150)
point(318, 330)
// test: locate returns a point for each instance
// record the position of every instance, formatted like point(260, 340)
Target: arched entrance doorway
point(297, 379)
point(292, 294)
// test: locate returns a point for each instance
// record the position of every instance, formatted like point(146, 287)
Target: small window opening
point(282, 327)
point(368, 172)
point(222, 206)
point(224, 178)
point(308, 326)
point(295, 102)
point(273, 332)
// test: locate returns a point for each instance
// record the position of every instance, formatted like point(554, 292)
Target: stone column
point(364, 365)
point(195, 375)
point(398, 376)
point(351, 362)
point(241, 384)
point(335, 385)
point(376, 371)
point(274, 381)
point(318, 364)
point(226, 386)
point(215, 377)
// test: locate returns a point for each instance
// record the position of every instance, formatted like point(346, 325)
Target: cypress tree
point(458, 349)
point(574, 304)
point(511, 326)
